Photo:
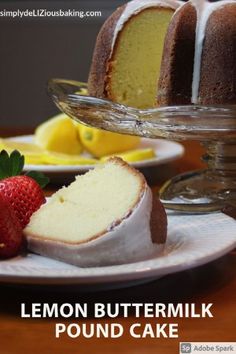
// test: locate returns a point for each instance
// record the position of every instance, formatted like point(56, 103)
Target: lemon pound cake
point(128, 52)
point(199, 58)
point(107, 216)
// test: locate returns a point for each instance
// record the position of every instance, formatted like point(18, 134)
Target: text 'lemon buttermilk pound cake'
point(107, 216)
point(154, 53)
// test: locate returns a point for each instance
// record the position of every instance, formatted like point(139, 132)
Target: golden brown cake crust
point(176, 74)
point(103, 47)
point(110, 63)
point(158, 220)
point(143, 186)
point(158, 226)
point(102, 62)
point(218, 63)
point(218, 70)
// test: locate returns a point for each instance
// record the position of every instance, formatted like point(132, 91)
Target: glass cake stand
point(215, 127)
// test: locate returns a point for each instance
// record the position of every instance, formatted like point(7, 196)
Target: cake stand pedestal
point(205, 190)
point(215, 127)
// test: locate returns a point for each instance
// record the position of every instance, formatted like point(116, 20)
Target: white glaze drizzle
point(135, 6)
point(130, 241)
point(204, 9)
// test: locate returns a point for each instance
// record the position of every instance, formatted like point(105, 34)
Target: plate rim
point(180, 150)
point(111, 278)
point(144, 270)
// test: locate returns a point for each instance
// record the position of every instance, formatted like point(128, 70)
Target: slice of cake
point(128, 52)
point(107, 216)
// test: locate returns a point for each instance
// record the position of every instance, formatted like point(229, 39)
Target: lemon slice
point(133, 155)
point(54, 158)
point(58, 134)
point(32, 153)
point(101, 143)
point(82, 92)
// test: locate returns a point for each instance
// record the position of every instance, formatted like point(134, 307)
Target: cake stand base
point(205, 190)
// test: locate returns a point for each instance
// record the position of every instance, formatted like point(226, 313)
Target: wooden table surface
point(212, 283)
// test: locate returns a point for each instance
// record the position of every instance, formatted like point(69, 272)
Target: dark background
point(32, 50)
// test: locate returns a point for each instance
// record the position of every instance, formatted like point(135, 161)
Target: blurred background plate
point(166, 151)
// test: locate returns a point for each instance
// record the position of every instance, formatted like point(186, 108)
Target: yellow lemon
point(134, 155)
point(32, 153)
point(58, 134)
point(54, 158)
point(83, 91)
point(100, 142)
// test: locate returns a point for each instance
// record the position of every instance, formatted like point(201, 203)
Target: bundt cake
point(107, 216)
point(167, 52)
point(199, 57)
point(127, 56)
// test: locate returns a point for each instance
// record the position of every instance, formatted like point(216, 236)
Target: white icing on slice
point(135, 6)
point(130, 241)
point(204, 10)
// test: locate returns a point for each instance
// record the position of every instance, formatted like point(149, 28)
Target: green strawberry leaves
point(17, 162)
point(4, 165)
point(12, 165)
point(39, 177)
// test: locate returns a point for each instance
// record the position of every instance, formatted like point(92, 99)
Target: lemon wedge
point(100, 142)
point(133, 155)
point(32, 153)
point(55, 158)
point(82, 92)
point(58, 134)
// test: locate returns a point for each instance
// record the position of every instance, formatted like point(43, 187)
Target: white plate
point(193, 240)
point(165, 150)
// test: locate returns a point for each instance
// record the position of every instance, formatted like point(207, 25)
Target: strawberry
point(10, 231)
point(22, 192)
